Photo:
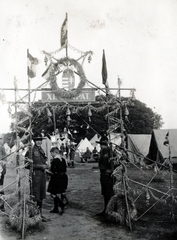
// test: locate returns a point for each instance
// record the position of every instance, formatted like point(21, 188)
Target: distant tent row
point(152, 146)
point(158, 151)
point(139, 146)
point(84, 143)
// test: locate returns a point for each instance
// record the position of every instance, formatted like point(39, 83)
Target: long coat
point(106, 168)
point(59, 180)
point(38, 176)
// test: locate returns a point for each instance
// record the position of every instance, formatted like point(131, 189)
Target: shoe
point(101, 213)
point(54, 211)
point(44, 219)
point(60, 203)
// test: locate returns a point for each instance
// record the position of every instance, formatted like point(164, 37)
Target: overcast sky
point(139, 38)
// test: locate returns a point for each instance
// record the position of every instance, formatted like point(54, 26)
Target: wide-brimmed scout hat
point(103, 140)
point(37, 136)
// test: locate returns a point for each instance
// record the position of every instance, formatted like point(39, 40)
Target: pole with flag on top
point(105, 82)
point(31, 72)
point(64, 34)
point(167, 144)
point(105, 73)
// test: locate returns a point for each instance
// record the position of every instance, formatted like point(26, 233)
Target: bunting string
point(49, 54)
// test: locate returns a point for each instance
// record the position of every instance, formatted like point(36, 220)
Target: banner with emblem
point(68, 79)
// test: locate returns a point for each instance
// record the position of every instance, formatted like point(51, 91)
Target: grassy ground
point(79, 220)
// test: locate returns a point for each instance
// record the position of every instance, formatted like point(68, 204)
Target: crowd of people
point(56, 171)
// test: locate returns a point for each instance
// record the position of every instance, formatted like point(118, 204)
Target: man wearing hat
point(106, 168)
point(2, 169)
point(39, 165)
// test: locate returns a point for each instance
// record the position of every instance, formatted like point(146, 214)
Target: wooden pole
point(121, 120)
point(126, 200)
point(29, 91)
point(123, 146)
point(30, 135)
point(24, 210)
point(17, 140)
point(171, 183)
point(54, 123)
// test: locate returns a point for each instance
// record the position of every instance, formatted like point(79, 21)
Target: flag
point(31, 64)
point(104, 72)
point(64, 31)
point(166, 142)
point(47, 72)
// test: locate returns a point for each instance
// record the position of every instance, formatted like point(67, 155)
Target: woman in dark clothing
point(39, 166)
point(59, 180)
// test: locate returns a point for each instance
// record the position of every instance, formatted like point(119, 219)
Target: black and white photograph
point(88, 129)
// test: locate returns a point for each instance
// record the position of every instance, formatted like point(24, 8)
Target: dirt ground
point(79, 222)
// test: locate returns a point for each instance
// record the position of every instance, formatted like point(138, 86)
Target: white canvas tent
point(138, 144)
point(84, 143)
point(158, 151)
point(94, 140)
point(114, 138)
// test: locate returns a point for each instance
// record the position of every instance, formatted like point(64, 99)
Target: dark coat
point(106, 168)
point(87, 154)
point(59, 180)
point(38, 175)
point(72, 153)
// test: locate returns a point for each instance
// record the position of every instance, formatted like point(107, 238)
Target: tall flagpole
point(66, 35)
point(30, 136)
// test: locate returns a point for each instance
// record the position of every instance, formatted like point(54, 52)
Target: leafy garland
point(116, 210)
point(74, 92)
point(32, 214)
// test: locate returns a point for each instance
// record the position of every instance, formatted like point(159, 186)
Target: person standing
point(67, 149)
point(58, 181)
point(39, 165)
point(72, 154)
point(106, 168)
point(95, 154)
point(2, 170)
point(62, 148)
point(87, 155)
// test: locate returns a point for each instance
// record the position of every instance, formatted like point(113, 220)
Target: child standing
point(59, 180)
